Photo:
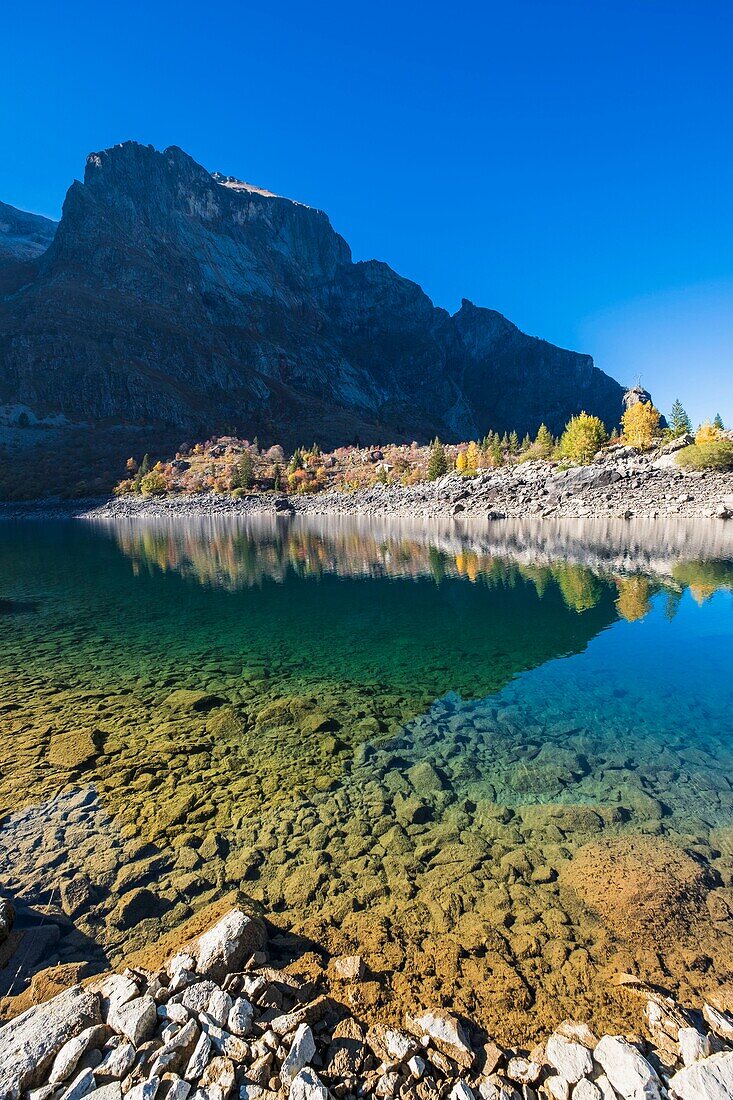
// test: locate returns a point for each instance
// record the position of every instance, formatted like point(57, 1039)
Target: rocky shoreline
point(219, 1020)
point(621, 483)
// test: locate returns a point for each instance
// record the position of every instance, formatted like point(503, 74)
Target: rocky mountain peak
point(174, 295)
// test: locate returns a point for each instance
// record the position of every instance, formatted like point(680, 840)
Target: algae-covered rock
point(638, 884)
point(225, 723)
point(73, 748)
point(185, 699)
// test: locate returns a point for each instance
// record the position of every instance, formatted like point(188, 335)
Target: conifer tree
point(544, 442)
point(242, 473)
point(296, 462)
point(718, 422)
point(679, 421)
point(437, 463)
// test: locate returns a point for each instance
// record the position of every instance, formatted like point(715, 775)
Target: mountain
point(23, 238)
point(172, 296)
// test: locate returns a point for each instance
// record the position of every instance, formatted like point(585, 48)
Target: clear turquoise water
point(411, 732)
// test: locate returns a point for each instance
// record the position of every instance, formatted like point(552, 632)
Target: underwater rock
point(74, 748)
point(192, 701)
point(638, 884)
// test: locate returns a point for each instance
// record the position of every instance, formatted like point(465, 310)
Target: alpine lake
point(495, 760)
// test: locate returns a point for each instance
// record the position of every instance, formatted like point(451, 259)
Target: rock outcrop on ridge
point(172, 296)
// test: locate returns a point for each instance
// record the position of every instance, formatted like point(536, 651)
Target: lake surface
point(496, 759)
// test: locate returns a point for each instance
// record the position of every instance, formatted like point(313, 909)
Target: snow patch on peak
point(239, 185)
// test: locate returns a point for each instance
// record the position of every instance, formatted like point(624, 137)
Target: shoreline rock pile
point(621, 482)
point(217, 1021)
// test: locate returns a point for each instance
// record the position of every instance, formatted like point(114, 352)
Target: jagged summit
point(176, 296)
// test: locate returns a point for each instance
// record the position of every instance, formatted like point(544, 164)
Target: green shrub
point(715, 455)
point(153, 484)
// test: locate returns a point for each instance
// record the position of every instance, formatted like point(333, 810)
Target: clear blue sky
point(568, 163)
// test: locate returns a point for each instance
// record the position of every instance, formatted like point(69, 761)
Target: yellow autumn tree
point(461, 462)
point(706, 433)
point(583, 436)
point(640, 423)
point(472, 457)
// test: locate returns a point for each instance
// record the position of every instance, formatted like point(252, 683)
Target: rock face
point(173, 296)
point(23, 238)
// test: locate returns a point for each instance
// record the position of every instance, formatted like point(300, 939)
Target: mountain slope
point(174, 296)
point(23, 238)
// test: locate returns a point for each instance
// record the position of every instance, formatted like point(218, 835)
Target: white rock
point(557, 1088)
point(239, 1020)
point(222, 1041)
point(571, 1059)
point(146, 1090)
point(117, 1062)
point(176, 1013)
point(523, 1070)
point(179, 962)
point(348, 967)
point(719, 1022)
point(629, 1073)
point(30, 1042)
point(112, 1091)
point(461, 1091)
point(302, 1049)
point(444, 1030)
point(708, 1080)
point(494, 1088)
point(198, 1060)
point(250, 1092)
point(223, 949)
point(134, 1019)
point(116, 990)
point(195, 998)
point(387, 1085)
point(178, 1090)
point(80, 1086)
point(169, 1031)
point(41, 1093)
point(219, 1006)
point(693, 1045)
point(308, 1086)
point(416, 1066)
point(604, 1087)
point(586, 1090)
point(68, 1057)
point(176, 1049)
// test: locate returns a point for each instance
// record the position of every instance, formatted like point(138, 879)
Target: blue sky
point(568, 163)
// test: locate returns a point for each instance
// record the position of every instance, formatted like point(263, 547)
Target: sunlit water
point(448, 748)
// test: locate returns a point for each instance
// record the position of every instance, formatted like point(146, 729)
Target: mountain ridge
point(173, 295)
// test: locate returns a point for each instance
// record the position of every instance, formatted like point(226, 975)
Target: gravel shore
point(621, 483)
point(217, 1019)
